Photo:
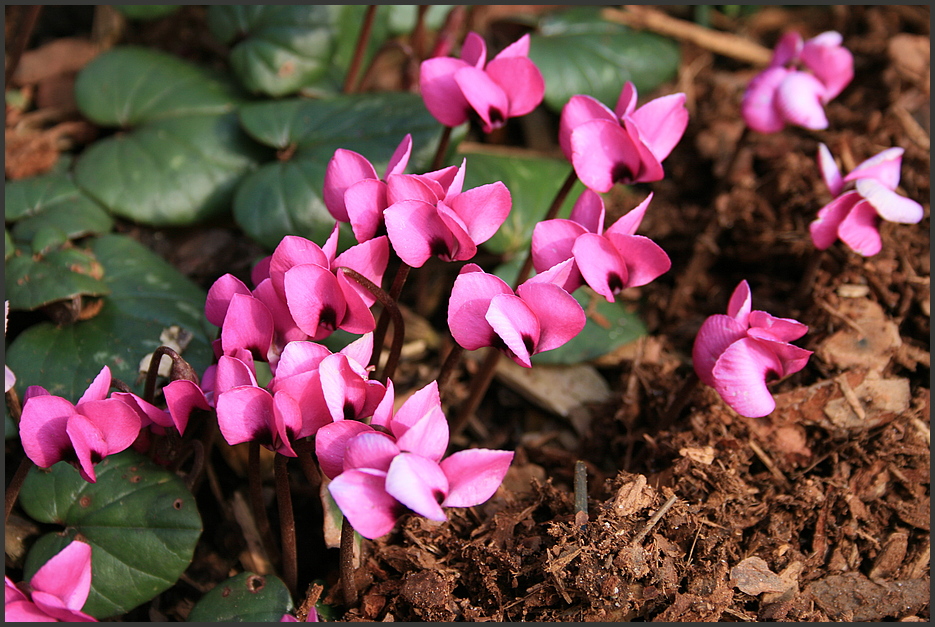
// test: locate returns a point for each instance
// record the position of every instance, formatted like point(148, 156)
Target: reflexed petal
point(119, 423)
point(515, 323)
point(42, 429)
point(306, 389)
point(485, 96)
point(147, 412)
point(331, 442)
point(662, 122)
point(260, 270)
point(829, 170)
point(758, 105)
point(344, 169)
point(603, 154)
point(589, 212)
point(601, 265)
point(626, 102)
point(361, 496)
point(293, 251)
point(740, 377)
point(419, 484)
point(401, 187)
point(521, 80)
point(630, 222)
point(315, 300)
point(89, 444)
point(360, 350)
point(369, 259)
point(330, 247)
point(67, 576)
point(400, 159)
point(416, 231)
point(339, 387)
point(483, 209)
point(287, 423)
point(383, 414)
point(462, 246)
point(560, 316)
point(715, 335)
point(474, 475)
point(370, 449)
point(790, 356)
point(474, 50)
point(233, 372)
point(740, 303)
point(182, 396)
point(883, 167)
point(416, 408)
point(552, 243)
point(577, 111)
point(650, 169)
point(365, 202)
point(860, 230)
point(824, 228)
point(441, 93)
point(468, 304)
point(99, 387)
point(563, 274)
point(249, 325)
point(832, 63)
point(799, 101)
point(300, 357)
point(357, 318)
point(519, 48)
point(644, 258)
point(787, 49)
point(890, 205)
point(244, 414)
point(285, 329)
point(781, 329)
point(428, 437)
point(219, 297)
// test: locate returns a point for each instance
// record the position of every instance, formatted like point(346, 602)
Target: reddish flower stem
point(444, 374)
point(348, 584)
point(286, 523)
point(379, 334)
point(359, 50)
point(442, 148)
point(390, 305)
point(12, 490)
point(255, 486)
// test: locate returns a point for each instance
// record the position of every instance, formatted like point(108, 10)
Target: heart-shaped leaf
point(141, 521)
point(52, 200)
point(533, 183)
point(170, 172)
point(579, 53)
point(127, 86)
point(244, 598)
point(146, 11)
point(279, 49)
point(35, 281)
point(147, 295)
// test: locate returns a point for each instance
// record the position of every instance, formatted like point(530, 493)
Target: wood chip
point(754, 577)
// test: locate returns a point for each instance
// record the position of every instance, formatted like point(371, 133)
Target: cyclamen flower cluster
point(57, 591)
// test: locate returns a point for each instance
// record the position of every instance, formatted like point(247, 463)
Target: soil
point(819, 511)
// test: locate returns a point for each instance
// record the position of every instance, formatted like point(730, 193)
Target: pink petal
point(441, 93)
point(42, 429)
point(644, 258)
point(147, 412)
point(260, 270)
point(370, 449)
point(233, 372)
point(344, 169)
point(245, 414)
point(182, 396)
point(315, 300)
point(357, 318)
point(448, 180)
point(400, 158)
point(577, 111)
point(293, 251)
point(799, 101)
point(285, 329)
point(417, 232)
point(715, 335)
point(516, 325)
point(119, 423)
point(519, 48)
point(67, 576)
point(740, 377)
point(832, 63)
point(758, 107)
point(360, 350)
point(383, 414)
point(824, 228)
point(11, 594)
point(791, 357)
point(24, 611)
point(601, 265)
point(306, 389)
point(562, 274)
point(287, 423)
point(520, 80)
point(884, 167)
point(486, 97)
point(766, 325)
point(603, 154)
point(860, 230)
point(650, 169)
point(483, 209)
point(365, 202)
point(474, 475)
point(99, 387)
point(428, 437)
point(560, 316)
point(474, 50)
point(829, 170)
point(330, 247)
point(219, 297)
point(331, 443)
point(661, 123)
point(361, 495)
point(462, 246)
point(457, 181)
point(630, 222)
point(890, 205)
point(401, 187)
point(626, 102)
point(300, 357)
point(589, 212)
point(343, 388)
point(369, 259)
point(419, 484)
point(787, 49)
point(467, 307)
point(552, 243)
point(740, 303)
point(249, 325)
point(88, 443)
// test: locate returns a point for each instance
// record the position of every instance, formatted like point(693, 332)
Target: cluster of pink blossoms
point(56, 593)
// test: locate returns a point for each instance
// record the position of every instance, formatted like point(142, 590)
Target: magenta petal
point(589, 212)
point(370, 449)
point(577, 111)
point(249, 325)
point(603, 154)
point(148, 413)
point(287, 424)
point(630, 222)
point(300, 357)
point(331, 442)
point(644, 258)
point(400, 159)
point(284, 327)
point(474, 50)
point(416, 408)
point(99, 387)
point(416, 231)
point(601, 265)
point(362, 497)
point(829, 170)
point(360, 350)
point(344, 169)
point(427, 437)
point(781, 329)
point(662, 122)
point(401, 187)
point(383, 414)
point(485, 96)
point(483, 209)
point(260, 270)
point(467, 307)
point(67, 576)
point(791, 357)
point(369, 259)
point(860, 230)
point(560, 316)
point(799, 101)
point(516, 325)
point(787, 49)
point(552, 243)
point(521, 80)
point(315, 300)
point(233, 372)
point(419, 484)
point(338, 386)
point(365, 202)
point(219, 297)
point(888, 204)
point(884, 167)
point(441, 93)
point(715, 335)
point(357, 318)
point(119, 423)
point(832, 63)
point(245, 414)
point(42, 429)
point(461, 247)
point(758, 105)
point(824, 228)
point(474, 475)
point(294, 251)
point(182, 396)
point(519, 48)
point(740, 303)
point(89, 444)
point(740, 377)
point(306, 389)
point(626, 102)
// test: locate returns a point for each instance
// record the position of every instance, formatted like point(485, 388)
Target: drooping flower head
point(800, 80)
point(608, 261)
point(626, 145)
point(57, 591)
point(863, 198)
point(736, 353)
point(454, 90)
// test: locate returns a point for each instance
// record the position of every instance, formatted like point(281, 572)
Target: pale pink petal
point(578, 110)
point(601, 265)
point(300, 357)
point(383, 414)
point(474, 475)
point(715, 335)
point(360, 350)
point(560, 316)
point(829, 170)
point(860, 230)
point(441, 93)
point(99, 387)
point(824, 228)
point(661, 123)
point(521, 80)
point(246, 413)
point(182, 396)
point(516, 325)
point(890, 205)
point(603, 153)
point(419, 484)
point(486, 97)
point(766, 325)
point(370, 449)
point(884, 167)
point(42, 429)
point(365, 202)
point(758, 105)
point(67, 576)
point(219, 297)
point(249, 325)
point(344, 169)
point(474, 50)
point(361, 496)
point(799, 101)
point(483, 209)
point(832, 63)
point(630, 222)
point(626, 102)
point(589, 212)
point(417, 232)
point(400, 159)
point(787, 49)
point(315, 300)
point(331, 443)
point(427, 437)
point(644, 258)
point(740, 377)
point(740, 303)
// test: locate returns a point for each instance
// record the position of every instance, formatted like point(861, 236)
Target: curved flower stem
point(445, 372)
point(12, 490)
point(286, 523)
point(442, 148)
point(418, 32)
point(181, 369)
point(359, 50)
point(379, 334)
point(348, 584)
point(13, 404)
point(305, 450)
point(390, 305)
point(255, 485)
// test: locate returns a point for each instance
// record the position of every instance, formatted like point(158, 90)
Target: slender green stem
point(12, 490)
point(348, 584)
point(390, 305)
point(442, 149)
point(360, 49)
point(379, 334)
point(286, 523)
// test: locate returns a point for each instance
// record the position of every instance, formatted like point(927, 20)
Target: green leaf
point(579, 53)
point(63, 274)
point(8, 246)
point(147, 295)
point(127, 86)
point(52, 200)
point(170, 172)
point(141, 521)
point(533, 183)
point(146, 11)
point(244, 598)
point(280, 48)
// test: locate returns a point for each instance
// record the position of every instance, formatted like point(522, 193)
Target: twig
point(652, 521)
point(12, 490)
point(442, 148)
point(768, 462)
point(379, 333)
point(581, 495)
point(255, 486)
point(348, 584)
point(448, 367)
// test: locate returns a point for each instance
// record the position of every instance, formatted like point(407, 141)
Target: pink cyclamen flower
point(53, 430)
point(56, 593)
point(510, 85)
point(783, 94)
point(394, 465)
point(626, 145)
point(862, 199)
point(430, 220)
point(609, 261)
point(484, 311)
point(737, 352)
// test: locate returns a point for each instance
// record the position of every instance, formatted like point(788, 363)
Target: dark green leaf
point(141, 521)
point(146, 11)
point(32, 282)
point(244, 598)
point(52, 200)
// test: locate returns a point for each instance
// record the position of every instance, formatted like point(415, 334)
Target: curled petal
point(401, 187)
point(791, 357)
point(884, 167)
point(248, 325)
point(344, 169)
point(99, 387)
point(560, 316)
point(552, 244)
point(519, 48)
point(516, 325)
point(331, 443)
point(293, 251)
point(467, 307)
point(89, 445)
point(715, 335)
point(860, 229)
point(474, 50)
point(244, 414)
point(644, 258)
point(67, 576)
point(417, 232)
point(740, 303)
point(799, 99)
point(630, 222)
point(233, 372)
point(787, 49)
point(284, 327)
point(740, 377)
point(603, 154)
point(419, 484)
point(601, 265)
point(520, 79)
point(287, 424)
point(831, 62)
point(758, 105)
point(362, 497)
point(626, 102)
point(824, 228)
point(888, 204)
point(370, 449)
point(441, 93)
point(219, 297)
point(780, 329)
point(315, 299)
point(483, 209)
point(829, 170)
point(474, 475)
point(589, 212)
point(577, 111)
point(42, 429)
point(306, 389)
point(182, 396)
point(485, 96)
point(400, 158)
point(365, 202)
point(661, 123)
point(118, 422)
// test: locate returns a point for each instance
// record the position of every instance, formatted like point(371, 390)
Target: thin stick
point(379, 334)
point(652, 521)
point(12, 490)
point(390, 305)
point(348, 584)
point(286, 523)
point(581, 495)
point(359, 49)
